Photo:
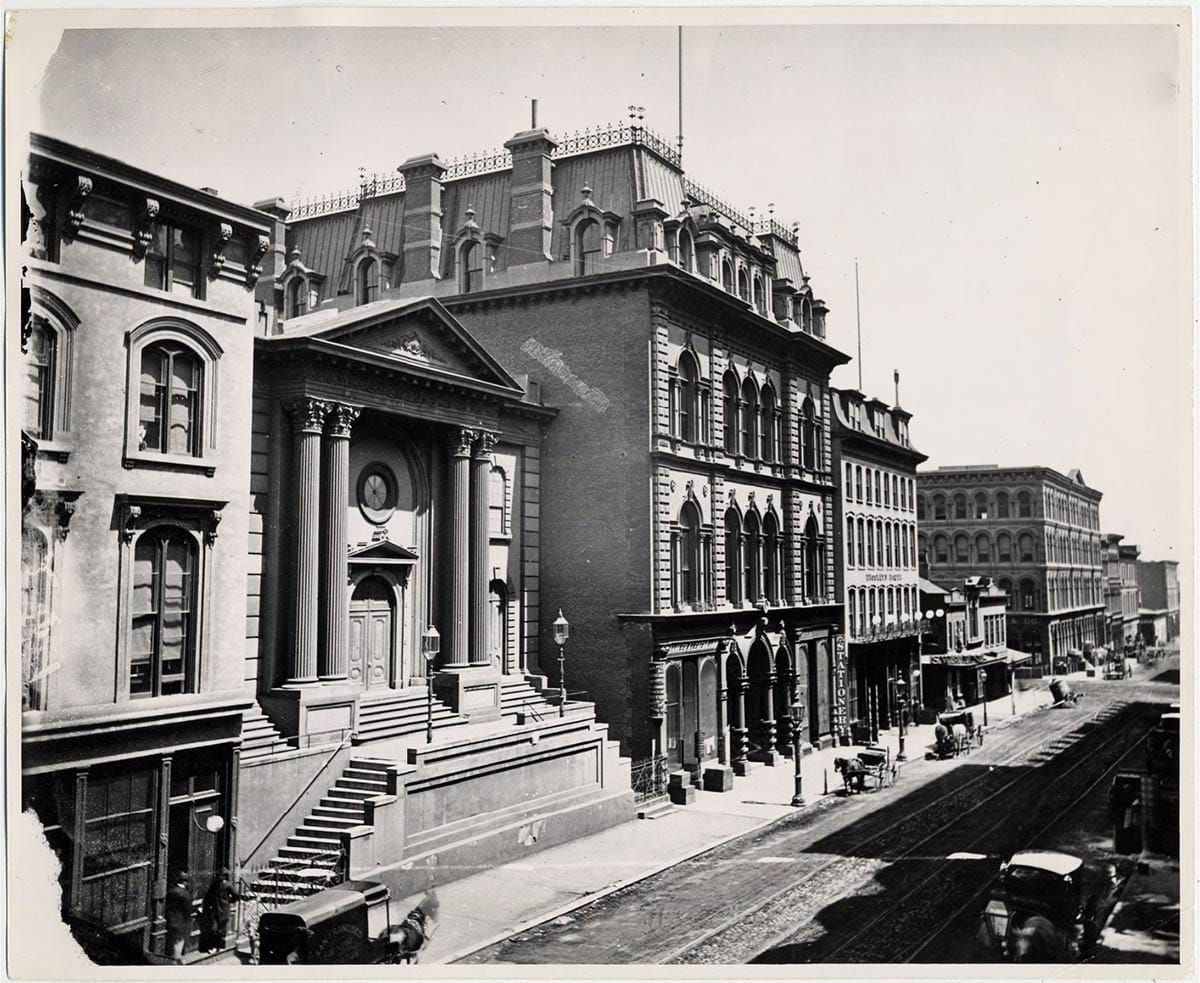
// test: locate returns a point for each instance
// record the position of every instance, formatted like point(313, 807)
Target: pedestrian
point(179, 915)
point(215, 910)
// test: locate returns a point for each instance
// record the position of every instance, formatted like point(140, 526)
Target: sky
point(1017, 197)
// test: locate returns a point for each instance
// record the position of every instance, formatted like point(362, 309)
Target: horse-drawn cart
point(874, 763)
point(956, 734)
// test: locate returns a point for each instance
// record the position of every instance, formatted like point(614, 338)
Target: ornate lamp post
point(431, 644)
point(873, 696)
point(562, 630)
point(797, 716)
point(901, 688)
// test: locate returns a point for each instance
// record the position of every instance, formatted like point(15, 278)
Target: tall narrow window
point(760, 302)
point(686, 251)
point(297, 296)
point(688, 556)
point(497, 495)
point(162, 639)
point(851, 624)
point(849, 541)
point(749, 419)
point(848, 487)
point(939, 507)
point(169, 407)
point(808, 434)
point(814, 577)
point(471, 267)
point(960, 506)
point(774, 568)
point(367, 283)
point(588, 247)
point(858, 489)
point(743, 282)
point(733, 556)
point(752, 556)
point(870, 492)
point(767, 427)
point(41, 353)
point(173, 261)
point(727, 276)
point(729, 408)
point(689, 402)
point(1024, 505)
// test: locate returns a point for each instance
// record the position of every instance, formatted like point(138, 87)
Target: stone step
point(357, 794)
point(365, 776)
point(308, 858)
point(314, 831)
point(320, 844)
point(336, 812)
point(330, 822)
point(656, 808)
point(365, 763)
point(335, 800)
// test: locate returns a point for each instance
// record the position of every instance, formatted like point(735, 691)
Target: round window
point(377, 493)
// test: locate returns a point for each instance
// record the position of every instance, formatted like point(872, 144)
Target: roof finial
point(587, 191)
point(896, 377)
point(471, 211)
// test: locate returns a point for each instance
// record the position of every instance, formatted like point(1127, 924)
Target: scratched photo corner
point(454, 534)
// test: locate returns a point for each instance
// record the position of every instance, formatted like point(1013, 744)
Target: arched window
point(729, 408)
point(939, 507)
point(861, 546)
point(960, 506)
point(1029, 595)
point(1024, 505)
point(733, 556)
point(767, 428)
point(497, 502)
point(983, 548)
point(814, 576)
point(771, 558)
point(727, 276)
point(688, 410)
point(743, 282)
point(169, 405)
point(367, 281)
point(878, 490)
point(1004, 547)
point(35, 617)
point(887, 536)
point(871, 604)
point(808, 435)
point(962, 549)
point(858, 483)
point(760, 301)
point(904, 547)
point(941, 549)
point(849, 540)
point(470, 267)
point(588, 247)
point(870, 487)
point(1002, 505)
point(749, 419)
point(752, 556)
point(687, 251)
point(498, 623)
point(162, 639)
point(851, 622)
point(1025, 545)
point(870, 545)
point(41, 356)
point(921, 507)
point(981, 505)
point(296, 297)
point(687, 557)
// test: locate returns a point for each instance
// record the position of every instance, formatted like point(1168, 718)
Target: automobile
point(1046, 906)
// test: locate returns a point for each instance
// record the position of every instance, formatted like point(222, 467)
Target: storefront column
point(481, 473)
point(308, 419)
point(767, 733)
point(460, 558)
point(738, 735)
point(337, 487)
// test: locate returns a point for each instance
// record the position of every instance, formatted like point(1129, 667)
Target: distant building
point(1036, 533)
point(964, 645)
point(876, 515)
point(1130, 594)
point(1159, 614)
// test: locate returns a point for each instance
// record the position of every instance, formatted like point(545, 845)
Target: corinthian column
point(337, 487)
point(481, 471)
point(460, 559)
point(308, 418)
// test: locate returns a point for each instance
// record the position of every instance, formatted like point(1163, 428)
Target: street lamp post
point(431, 644)
point(901, 708)
point(797, 717)
point(982, 683)
point(562, 630)
point(873, 701)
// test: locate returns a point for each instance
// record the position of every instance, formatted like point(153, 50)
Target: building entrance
point(372, 618)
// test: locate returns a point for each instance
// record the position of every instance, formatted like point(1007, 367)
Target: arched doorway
point(735, 709)
point(372, 619)
point(708, 709)
point(675, 749)
point(783, 690)
point(760, 711)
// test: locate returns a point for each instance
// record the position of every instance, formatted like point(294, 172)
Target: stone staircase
point(401, 712)
point(260, 737)
point(312, 858)
point(518, 695)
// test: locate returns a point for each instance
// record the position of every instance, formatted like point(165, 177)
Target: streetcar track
point(867, 931)
point(1026, 750)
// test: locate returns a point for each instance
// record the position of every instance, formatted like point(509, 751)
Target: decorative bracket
point(254, 260)
point(129, 522)
point(214, 522)
point(144, 234)
point(83, 188)
point(220, 241)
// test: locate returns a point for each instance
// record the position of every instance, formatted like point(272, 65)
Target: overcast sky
point(1017, 197)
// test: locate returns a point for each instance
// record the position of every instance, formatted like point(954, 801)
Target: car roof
point(1055, 863)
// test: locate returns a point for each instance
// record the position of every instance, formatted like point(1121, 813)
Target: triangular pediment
point(381, 551)
point(421, 334)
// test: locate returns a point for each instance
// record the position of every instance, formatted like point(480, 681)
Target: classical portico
point(382, 470)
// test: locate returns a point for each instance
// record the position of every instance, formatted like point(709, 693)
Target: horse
point(961, 744)
point(853, 774)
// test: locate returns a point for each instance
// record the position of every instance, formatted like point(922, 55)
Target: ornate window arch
point(1004, 547)
point(749, 418)
point(960, 506)
point(773, 557)
point(366, 280)
point(1024, 505)
point(810, 452)
point(939, 507)
point(941, 548)
point(687, 250)
point(687, 400)
point(983, 548)
point(962, 549)
point(727, 275)
point(171, 394)
point(752, 555)
point(1026, 551)
point(729, 407)
point(769, 427)
point(981, 505)
point(733, 555)
point(850, 540)
point(47, 341)
point(688, 558)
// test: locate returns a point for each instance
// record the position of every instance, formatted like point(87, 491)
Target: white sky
point(1017, 197)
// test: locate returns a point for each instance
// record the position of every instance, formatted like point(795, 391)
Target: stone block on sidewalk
point(718, 778)
point(681, 795)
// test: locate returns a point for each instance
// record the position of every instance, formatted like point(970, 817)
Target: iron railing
point(648, 778)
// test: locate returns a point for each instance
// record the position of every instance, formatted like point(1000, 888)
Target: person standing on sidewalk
point(179, 915)
point(218, 901)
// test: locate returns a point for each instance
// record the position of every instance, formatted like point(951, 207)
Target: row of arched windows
point(979, 506)
point(869, 609)
point(982, 549)
point(872, 542)
point(754, 555)
point(874, 486)
point(1072, 590)
point(1070, 547)
point(1026, 597)
point(1071, 510)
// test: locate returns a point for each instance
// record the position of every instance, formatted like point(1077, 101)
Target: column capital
point(485, 444)
point(308, 414)
point(341, 419)
point(462, 439)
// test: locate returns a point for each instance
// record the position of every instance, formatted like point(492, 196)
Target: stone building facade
point(1036, 533)
point(138, 322)
point(690, 541)
point(1158, 582)
point(875, 513)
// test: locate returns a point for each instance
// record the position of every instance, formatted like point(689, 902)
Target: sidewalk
point(555, 881)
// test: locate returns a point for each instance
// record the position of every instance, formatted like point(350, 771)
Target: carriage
point(956, 734)
point(874, 763)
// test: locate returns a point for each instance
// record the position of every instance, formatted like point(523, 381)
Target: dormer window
point(173, 261)
point(687, 251)
point(296, 302)
point(366, 286)
point(727, 276)
point(588, 247)
point(743, 282)
point(760, 303)
point(610, 238)
point(470, 267)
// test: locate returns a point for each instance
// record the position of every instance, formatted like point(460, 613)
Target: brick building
point(138, 326)
point(876, 514)
point(687, 530)
point(1158, 581)
point(1036, 533)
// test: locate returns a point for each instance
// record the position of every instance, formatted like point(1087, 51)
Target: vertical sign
point(841, 723)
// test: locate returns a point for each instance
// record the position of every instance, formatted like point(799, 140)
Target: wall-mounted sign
point(883, 578)
point(841, 712)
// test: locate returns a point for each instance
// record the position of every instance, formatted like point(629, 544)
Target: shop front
point(881, 673)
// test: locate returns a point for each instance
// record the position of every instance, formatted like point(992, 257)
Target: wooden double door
point(372, 634)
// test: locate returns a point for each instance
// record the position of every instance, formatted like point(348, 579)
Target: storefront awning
point(977, 660)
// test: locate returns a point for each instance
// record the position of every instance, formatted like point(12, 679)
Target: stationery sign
point(841, 723)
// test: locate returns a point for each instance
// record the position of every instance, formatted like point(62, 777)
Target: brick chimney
point(531, 216)
point(422, 218)
point(274, 262)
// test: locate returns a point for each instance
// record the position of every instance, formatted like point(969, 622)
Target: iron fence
point(648, 778)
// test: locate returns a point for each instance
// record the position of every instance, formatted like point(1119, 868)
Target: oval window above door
point(377, 493)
